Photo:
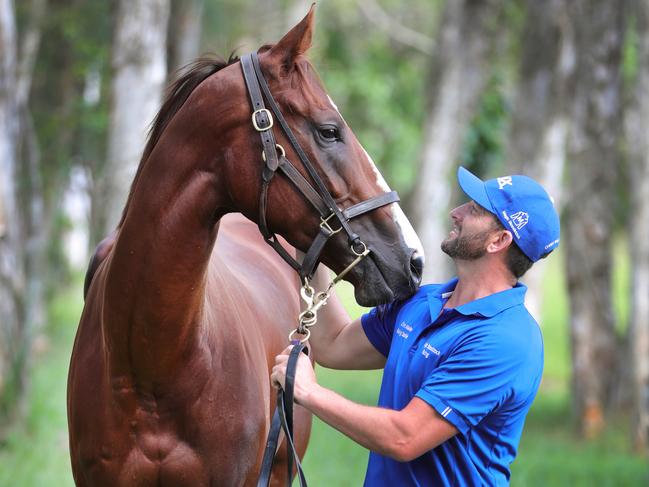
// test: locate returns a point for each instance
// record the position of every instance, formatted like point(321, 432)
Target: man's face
point(472, 227)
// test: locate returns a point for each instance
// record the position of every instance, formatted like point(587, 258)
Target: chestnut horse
point(186, 308)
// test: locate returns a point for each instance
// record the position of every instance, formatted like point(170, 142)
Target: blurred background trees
point(137, 78)
point(556, 89)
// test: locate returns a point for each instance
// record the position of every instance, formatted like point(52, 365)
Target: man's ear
point(500, 241)
point(297, 41)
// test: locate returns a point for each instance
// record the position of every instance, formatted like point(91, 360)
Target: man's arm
point(337, 341)
point(403, 435)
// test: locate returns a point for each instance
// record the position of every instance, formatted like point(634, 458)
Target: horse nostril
point(417, 266)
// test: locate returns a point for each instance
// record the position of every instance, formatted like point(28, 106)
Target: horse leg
point(302, 431)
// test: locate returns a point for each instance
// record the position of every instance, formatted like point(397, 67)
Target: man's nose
point(456, 213)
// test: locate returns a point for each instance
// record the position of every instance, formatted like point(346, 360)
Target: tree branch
point(400, 33)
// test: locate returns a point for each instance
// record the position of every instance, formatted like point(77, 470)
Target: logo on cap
point(520, 219)
point(505, 181)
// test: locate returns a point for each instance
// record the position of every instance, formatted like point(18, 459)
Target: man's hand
point(305, 379)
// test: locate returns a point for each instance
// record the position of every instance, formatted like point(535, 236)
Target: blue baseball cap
point(522, 206)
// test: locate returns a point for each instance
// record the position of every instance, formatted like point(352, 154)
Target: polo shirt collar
point(487, 307)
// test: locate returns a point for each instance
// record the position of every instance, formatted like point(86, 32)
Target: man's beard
point(467, 247)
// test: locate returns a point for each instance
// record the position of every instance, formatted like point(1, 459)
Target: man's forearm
point(374, 428)
point(402, 435)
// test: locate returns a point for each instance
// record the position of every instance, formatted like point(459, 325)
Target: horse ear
point(297, 41)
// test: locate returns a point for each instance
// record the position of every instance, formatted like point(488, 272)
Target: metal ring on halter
point(359, 256)
point(362, 252)
point(277, 146)
point(306, 335)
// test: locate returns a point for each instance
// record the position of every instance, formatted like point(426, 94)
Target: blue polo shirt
point(479, 365)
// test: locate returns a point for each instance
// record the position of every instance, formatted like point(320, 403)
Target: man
point(462, 360)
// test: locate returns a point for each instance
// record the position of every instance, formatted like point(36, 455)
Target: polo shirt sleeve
point(473, 380)
point(379, 323)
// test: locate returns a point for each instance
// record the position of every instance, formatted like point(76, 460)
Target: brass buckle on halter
point(324, 223)
point(254, 119)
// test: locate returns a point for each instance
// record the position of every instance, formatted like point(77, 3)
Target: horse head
point(394, 266)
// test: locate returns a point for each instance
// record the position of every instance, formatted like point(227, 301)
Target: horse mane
point(176, 95)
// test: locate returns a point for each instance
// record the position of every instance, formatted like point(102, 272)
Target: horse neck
point(155, 284)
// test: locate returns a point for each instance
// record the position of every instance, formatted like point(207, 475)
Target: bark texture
point(12, 275)
point(595, 91)
point(637, 120)
point(184, 35)
point(536, 143)
point(139, 73)
point(459, 72)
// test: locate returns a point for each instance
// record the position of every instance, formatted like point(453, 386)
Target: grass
point(550, 454)
point(35, 453)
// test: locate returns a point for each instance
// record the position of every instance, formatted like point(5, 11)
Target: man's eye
point(477, 209)
point(329, 133)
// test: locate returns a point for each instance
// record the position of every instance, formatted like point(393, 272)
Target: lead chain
point(314, 301)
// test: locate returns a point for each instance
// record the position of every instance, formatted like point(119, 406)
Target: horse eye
point(329, 133)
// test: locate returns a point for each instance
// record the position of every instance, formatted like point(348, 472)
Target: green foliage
point(379, 86)
point(630, 55)
point(75, 47)
point(69, 105)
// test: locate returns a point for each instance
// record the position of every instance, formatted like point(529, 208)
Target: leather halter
point(319, 197)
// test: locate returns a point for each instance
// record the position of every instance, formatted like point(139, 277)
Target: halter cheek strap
point(332, 218)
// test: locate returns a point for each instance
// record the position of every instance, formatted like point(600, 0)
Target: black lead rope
point(283, 419)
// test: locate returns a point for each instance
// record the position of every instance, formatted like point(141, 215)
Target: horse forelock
point(176, 95)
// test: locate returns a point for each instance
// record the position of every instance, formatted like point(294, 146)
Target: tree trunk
point(637, 120)
point(184, 36)
point(139, 73)
point(595, 91)
point(31, 193)
point(459, 72)
point(536, 143)
point(12, 275)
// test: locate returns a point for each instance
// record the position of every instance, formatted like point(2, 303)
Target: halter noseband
point(319, 197)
